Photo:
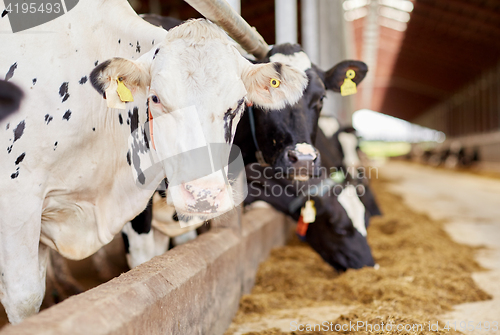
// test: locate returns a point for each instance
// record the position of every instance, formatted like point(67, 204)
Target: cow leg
point(23, 267)
point(139, 247)
point(138, 237)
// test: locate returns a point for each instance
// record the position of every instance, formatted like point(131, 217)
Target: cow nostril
point(292, 156)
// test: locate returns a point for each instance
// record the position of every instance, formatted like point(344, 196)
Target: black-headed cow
point(74, 171)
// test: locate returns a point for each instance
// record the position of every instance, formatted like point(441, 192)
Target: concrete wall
point(192, 289)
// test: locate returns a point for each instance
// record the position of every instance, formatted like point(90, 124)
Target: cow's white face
point(196, 85)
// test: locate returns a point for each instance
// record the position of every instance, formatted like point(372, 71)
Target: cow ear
point(273, 85)
point(119, 75)
point(334, 78)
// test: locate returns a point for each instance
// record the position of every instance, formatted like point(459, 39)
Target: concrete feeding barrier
point(192, 289)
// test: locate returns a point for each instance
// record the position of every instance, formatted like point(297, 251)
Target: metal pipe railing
point(222, 14)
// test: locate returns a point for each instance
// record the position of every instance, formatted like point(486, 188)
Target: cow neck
point(258, 153)
point(319, 191)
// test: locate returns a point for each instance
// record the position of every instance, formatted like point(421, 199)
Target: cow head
point(286, 138)
point(346, 140)
point(198, 82)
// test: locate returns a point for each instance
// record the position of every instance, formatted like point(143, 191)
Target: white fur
point(354, 208)
point(141, 246)
point(300, 60)
point(349, 143)
point(329, 125)
point(306, 149)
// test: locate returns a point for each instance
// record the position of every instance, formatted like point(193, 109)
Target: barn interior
point(432, 98)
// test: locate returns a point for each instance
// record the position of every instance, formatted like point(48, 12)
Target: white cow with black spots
point(69, 179)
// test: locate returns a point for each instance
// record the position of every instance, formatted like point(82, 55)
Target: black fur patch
point(5, 12)
point(34, 81)
point(120, 118)
point(277, 68)
point(19, 130)
point(20, 158)
point(228, 120)
point(134, 120)
point(285, 49)
point(83, 80)
point(10, 73)
point(48, 118)
point(129, 160)
point(126, 243)
point(63, 91)
point(141, 224)
point(95, 77)
point(138, 48)
point(67, 115)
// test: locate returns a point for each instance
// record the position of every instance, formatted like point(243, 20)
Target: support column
point(310, 29)
point(286, 21)
point(370, 50)
point(332, 50)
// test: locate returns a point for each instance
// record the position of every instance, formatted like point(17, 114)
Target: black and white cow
point(73, 170)
point(10, 98)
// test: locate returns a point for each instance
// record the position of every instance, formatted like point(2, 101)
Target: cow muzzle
point(302, 162)
point(206, 197)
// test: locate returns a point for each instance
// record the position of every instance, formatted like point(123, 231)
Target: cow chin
point(205, 198)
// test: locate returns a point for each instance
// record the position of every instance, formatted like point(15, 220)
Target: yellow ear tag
point(348, 87)
point(309, 212)
point(123, 92)
point(275, 82)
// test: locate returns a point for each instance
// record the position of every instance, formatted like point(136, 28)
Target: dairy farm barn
point(249, 167)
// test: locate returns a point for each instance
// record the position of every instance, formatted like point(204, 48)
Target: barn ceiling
point(447, 44)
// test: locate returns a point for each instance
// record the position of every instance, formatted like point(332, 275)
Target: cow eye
point(321, 99)
point(155, 99)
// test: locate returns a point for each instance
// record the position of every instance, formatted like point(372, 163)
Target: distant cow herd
point(80, 124)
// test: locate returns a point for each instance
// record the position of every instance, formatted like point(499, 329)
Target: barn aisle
point(469, 205)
